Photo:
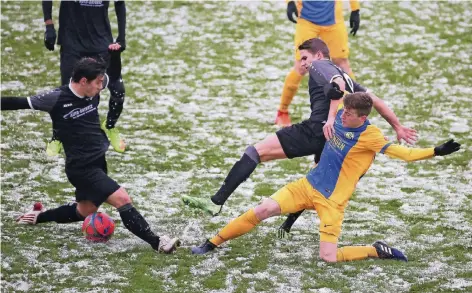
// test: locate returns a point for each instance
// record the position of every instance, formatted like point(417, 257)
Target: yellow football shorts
point(300, 195)
point(335, 37)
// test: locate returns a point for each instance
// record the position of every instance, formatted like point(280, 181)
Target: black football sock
point(63, 214)
point(237, 175)
point(135, 222)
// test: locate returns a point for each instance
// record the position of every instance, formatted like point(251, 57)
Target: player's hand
point(333, 91)
point(328, 129)
point(407, 134)
point(114, 47)
point(122, 42)
point(447, 148)
point(50, 37)
point(291, 10)
point(354, 21)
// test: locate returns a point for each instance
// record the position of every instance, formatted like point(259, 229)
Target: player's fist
point(291, 10)
point(354, 21)
point(50, 37)
point(447, 148)
point(122, 43)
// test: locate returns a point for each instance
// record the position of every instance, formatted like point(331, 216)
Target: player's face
point(350, 119)
point(93, 87)
point(306, 58)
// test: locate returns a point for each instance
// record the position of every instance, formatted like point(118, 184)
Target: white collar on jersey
point(74, 92)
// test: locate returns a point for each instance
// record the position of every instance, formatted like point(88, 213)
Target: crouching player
point(328, 187)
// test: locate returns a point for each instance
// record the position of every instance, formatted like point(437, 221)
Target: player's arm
point(355, 19)
point(14, 103)
point(120, 10)
point(50, 33)
point(42, 102)
point(407, 134)
point(334, 91)
point(415, 154)
point(376, 142)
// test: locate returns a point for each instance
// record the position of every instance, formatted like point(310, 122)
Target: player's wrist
point(49, 22)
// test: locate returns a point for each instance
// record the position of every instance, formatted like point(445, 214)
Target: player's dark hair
point(361, 102)
point(89, 68)
point(314, 46)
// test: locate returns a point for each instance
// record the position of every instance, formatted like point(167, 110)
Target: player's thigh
point(86, 207)
point(302, 139)
point(336, 38)
point(304, 30)
point(68, 59)
point(331, 219)
point(292, 197)
point(270, 149)
point(92, 184)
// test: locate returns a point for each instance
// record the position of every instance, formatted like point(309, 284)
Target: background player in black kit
point(84, 31)
point(308, 137)
point(74, 111)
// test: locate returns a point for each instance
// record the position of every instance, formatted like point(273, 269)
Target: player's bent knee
point(268, 208)
point(327, 256)
point(119, 198)
point(85, 208)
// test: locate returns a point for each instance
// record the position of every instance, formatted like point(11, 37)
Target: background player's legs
point(336, 38)
point(117, 99)
point(304, 30)
point(67, 62)
point(266, 150)
point(291, 84)
point(117, 90)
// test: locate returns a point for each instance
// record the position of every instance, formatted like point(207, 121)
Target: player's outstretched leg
point(240, 171)
point(64, 214)
point(241, 225)
point(136, 223)
point(237, 175)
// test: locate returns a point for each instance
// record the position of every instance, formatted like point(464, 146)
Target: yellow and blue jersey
point(324, 12)
point(348, 156)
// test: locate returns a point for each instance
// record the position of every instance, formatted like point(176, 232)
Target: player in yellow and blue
point(323, 19)
point(328, 187)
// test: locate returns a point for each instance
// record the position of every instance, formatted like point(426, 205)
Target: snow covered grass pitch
point(203, 81)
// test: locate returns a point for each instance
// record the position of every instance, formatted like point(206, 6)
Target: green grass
point(203, 82)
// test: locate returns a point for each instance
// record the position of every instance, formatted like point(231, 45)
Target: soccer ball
point(98, 227)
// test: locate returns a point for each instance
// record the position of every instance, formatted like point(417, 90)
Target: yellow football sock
point(349, 253)
point(237, 227)
point(292, 82)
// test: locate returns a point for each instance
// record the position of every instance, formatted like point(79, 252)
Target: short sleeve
point(375, 140)
point(358, 87)
point(44, 101)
